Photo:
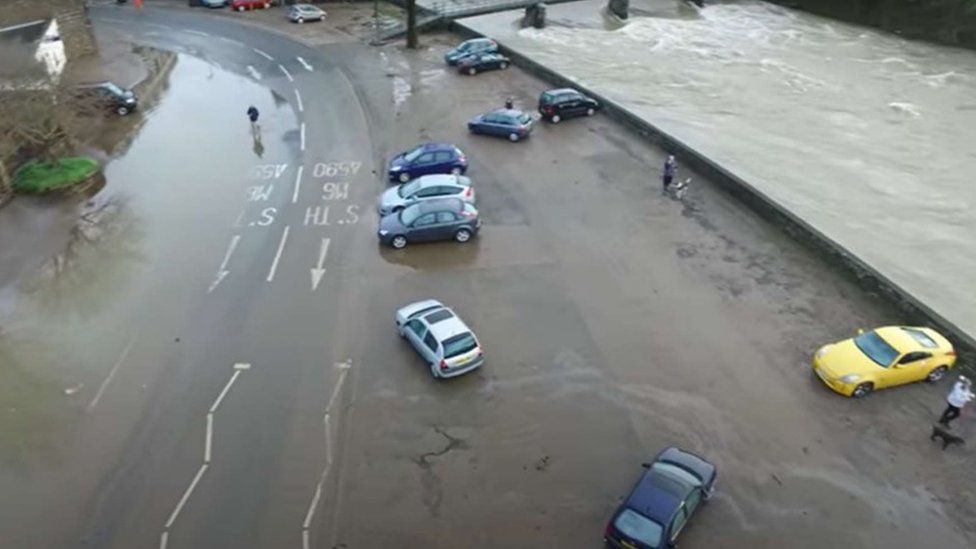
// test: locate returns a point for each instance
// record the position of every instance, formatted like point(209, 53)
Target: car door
point(677, 524)
point(488, 124)
point(446, 226)
point(429, 192)
point(423, 165)
point(430, 347)
point(423, 228)
point(443, 161)
point(911, 367)
point(415, 331)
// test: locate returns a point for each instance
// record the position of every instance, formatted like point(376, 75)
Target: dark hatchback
point(666, 496)
point(470, 47)
point(427, 159)
point(512, 124)
point(556, 105)
point(483, 62)
point(430, 220)
point(106, 95)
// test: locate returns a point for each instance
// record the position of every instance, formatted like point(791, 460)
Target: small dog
point(679, 188)
point(943, 432)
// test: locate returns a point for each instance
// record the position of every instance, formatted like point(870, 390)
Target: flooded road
point(867, 136)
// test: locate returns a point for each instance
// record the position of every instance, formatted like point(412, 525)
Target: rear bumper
point(461, 370)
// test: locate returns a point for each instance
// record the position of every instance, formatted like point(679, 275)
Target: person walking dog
point(670, 169)
point(957, 399)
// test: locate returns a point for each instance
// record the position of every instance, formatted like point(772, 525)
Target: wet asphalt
point(616, 322)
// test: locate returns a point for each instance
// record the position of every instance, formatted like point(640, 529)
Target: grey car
point(428, 187)
point(430, 220)
point(444, 341)
point(299, 13)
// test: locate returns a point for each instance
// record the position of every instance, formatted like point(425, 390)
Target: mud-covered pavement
point(185, 381)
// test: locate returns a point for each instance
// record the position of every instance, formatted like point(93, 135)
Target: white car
point(427, 187)
point(444, 341)
point(299, 13)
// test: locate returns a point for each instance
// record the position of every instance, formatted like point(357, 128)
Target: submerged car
point(662, 502)
point(470, 47)
point(299, 13)
point(444, 341)
point(509, 123)
point(425, 159)
point(885, 357)
point(430, 220)
point(558, 105)
point(105, 95)
point(482, 62)
point(428, 187)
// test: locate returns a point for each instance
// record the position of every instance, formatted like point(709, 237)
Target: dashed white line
point(254, 72)
point(303, 137)
point(262, 54)
point(209, 442)
point(335, 392)
point(163, 540)
point(223, 393)
point(287, 74)
point(111, 374)
point(298, 184)
point(198, 33)
point(298, 98)
point(311, 507)
point(186, 496)
point(328, 439)
point(305, 64)
point(230, 41)
point(281, 247)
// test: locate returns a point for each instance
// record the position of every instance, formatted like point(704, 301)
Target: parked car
point(510, 123)
point(482, 62)
point(429, 220)
point(299, 13)
point(470, 47)
point(885, 357)
point(106, 95)
point(241, 5)
point(212, 4)
point(428, 187)
point(665, 497)
point(444, 341)
point(557, 105)
point(425, 159)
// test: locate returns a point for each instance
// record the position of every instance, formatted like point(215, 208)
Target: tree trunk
point(5, 188)
point(412, 41)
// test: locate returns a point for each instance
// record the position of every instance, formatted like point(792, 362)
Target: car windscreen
point(408, 189)
point(638, 527)
point(921, 337)
point(112, 88)
point(524, 118)
point(412, 155)
point(876, 348)
point(409, 214)
point(459, 344)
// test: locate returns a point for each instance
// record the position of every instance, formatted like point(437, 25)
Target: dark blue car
point(509, 123)
point(427, 159)
point(669, 492)
point(470, 47)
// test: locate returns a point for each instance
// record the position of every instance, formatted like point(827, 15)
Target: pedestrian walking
point(957, 399)
point(509, 103)
point(670, 169)
point(252, 115)
point(138, 4)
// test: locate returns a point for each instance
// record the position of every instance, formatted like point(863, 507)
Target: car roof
point(903, 342)
point(448, 328)
point(508, 112)
point(437, 179)
point(477, 40)
point(440, 204)
point(438, 146)
point(657, 496)
point(562, 91)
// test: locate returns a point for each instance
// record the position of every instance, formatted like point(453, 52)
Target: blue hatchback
point(674, 486)
point(508, 123)
point(426, 159)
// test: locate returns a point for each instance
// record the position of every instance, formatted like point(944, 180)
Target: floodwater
point(867, 136)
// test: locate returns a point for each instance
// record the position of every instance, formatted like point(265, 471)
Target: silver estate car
point(444, 341)
point(426, 187)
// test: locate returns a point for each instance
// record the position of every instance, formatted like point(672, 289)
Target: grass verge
point(41, 177)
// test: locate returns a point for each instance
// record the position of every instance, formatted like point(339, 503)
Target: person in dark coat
point(670, 169)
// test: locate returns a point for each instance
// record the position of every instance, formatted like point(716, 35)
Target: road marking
point(223, 393)
point(298, 97)
point(237, 222)
point(284, 70)
point(198, 33)
point(163, 540)
point(281, 247)
point(209, 441)
point(298, 184)
point(231, 41)
point(262, 54)
point(222, 272)
point(303, 136)
point(254, 72)
point(242, 366)
point(186, 495)
point(328, 440)
point(318, 271)
point(111, 374)
point(335, 392)
point(305, 544)
point(305, 64)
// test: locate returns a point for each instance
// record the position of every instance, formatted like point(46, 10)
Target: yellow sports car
point(885, 357)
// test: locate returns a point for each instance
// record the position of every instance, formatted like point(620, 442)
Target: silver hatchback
point(299, 13)
point(444, 341)
point(427, 187)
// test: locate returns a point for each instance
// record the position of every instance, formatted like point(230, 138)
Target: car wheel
point(472, 71)
point(404, 177)
point(590, 111)
point(863, 390)
point(936, 374)
point(503, 65)
point(399, 242)
point(455, 171)
point(396, 209)
point(462, 236)
point(122, 111)
point(513, 137)
point(555, 119)
point(300, 20)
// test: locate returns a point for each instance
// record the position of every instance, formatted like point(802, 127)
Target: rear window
point(921, 337)
point(639, 528)
point(459, 344)
point(524, 118)
point(438, 316)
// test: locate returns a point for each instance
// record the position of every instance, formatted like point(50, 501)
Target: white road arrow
point(222, 272)
point(318, 271)
point(305, 64)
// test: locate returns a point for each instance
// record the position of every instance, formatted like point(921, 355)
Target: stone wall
point(72, 16)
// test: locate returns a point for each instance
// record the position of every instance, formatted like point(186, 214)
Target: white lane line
point(186, 496)
point(198, 33)
point(209, 442)
point(305, 64)
point(298, 97)
point(223, 393)
point(298, 184)
point(328, 440)
point(231, 41)
point(335, 392)
point(305, 544)
point(262, 54)
point(284, 70)
point(222, 272)
point(163, 540)
point(281, 247)
point(240, 216)
point(303, 136)
point(254, 72)
point(111, 374)
point(312, 506)
point(318, 271)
